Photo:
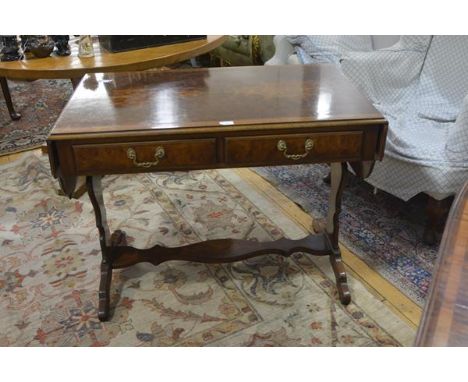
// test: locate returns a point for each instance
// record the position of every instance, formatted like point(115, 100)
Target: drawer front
point(294, 148)
point(143, 156)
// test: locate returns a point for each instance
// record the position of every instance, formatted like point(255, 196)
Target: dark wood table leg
point(94, 187)
point(6, 93)
point(75, 81)
point(337, 180)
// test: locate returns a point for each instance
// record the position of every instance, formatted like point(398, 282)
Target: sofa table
point(215, 118)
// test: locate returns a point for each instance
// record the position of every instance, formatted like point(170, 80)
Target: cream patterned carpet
point(49, 261)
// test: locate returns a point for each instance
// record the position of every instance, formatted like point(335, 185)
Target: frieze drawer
point(294, 148)
point(128, 157)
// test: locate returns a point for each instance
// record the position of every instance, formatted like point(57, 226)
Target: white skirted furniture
point(420, 84)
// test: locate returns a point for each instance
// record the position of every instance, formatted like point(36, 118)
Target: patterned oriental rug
point(49, 261)
point(380, 229)
point(40, 103)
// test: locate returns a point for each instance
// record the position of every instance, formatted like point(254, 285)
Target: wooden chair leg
point(436, 211)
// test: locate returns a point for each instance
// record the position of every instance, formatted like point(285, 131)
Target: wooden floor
point(12, 157)
point(380, 287)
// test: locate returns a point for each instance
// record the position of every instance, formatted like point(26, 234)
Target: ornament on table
point(10, 50)
point(85, 48)
point(61, 43)
point(39, 45)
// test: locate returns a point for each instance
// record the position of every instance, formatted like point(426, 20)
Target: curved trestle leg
point(337, 179)
point(93, 184)
point(116, 253)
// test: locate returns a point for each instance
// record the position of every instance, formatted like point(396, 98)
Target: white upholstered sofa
point(420, 84)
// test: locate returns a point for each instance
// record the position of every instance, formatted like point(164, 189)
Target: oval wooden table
point(74, 67)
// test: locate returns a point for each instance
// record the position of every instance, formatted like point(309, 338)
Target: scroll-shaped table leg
point(338, 176)
point(94, 187)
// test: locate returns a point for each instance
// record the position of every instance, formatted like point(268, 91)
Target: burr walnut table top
point(219, 98)
point(445, 318)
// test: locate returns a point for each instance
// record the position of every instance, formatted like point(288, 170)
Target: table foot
point(15, 116)
point(319, 226)
point(341, 278)
point(104, 291)
point(118, 238)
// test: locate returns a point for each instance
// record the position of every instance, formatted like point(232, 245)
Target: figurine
point(61, 43)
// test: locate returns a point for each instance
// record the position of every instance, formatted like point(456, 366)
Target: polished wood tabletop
point(445, 317)
point(139, 59)
point(220, 98)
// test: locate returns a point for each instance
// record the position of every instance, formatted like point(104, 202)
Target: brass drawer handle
point(158, 154)
point(281, 146)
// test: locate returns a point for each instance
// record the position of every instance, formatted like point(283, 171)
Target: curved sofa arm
point(283, 49)
point(386, 76)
